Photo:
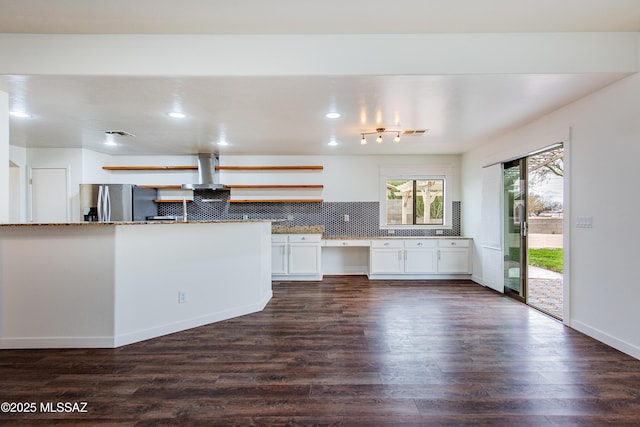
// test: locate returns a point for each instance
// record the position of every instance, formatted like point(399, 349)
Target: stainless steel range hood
point(207, 174)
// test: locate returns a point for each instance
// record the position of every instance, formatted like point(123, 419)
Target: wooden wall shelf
point(240, 186)
point(148, 168)
point(266, 168)
point(276, 201)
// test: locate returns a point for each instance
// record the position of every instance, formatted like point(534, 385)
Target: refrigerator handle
point(107, 204)
point(100, 196)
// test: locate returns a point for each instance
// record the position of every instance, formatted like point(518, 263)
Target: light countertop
point(102, 224)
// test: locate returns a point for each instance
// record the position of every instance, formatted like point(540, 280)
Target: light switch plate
point(584, 222)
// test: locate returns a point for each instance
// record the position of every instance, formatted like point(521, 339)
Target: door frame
point(567, 222)
point(520, 163)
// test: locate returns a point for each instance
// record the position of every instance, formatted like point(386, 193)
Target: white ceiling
point(315, 17)
point(285, 114)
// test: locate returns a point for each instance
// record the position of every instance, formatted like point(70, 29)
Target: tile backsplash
point(363, 216)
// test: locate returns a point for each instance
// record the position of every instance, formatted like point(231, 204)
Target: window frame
point(417, 173)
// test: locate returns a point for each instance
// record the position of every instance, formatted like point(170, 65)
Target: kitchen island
point(104, 285)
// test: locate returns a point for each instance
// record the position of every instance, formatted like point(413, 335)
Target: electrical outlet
point(391, 231)
point(182, 297)
point(245, 216)
point(346, 217)
point(439, 232)
point(290, 217)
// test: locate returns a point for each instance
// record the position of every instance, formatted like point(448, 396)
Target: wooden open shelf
point(267, 168)
point(275, 186)
point(148, 168)
point(276, 201)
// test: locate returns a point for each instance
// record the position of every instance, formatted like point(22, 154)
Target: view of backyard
point(547, 258)
point(545, 240)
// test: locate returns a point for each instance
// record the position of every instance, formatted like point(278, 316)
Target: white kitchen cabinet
point(296, 257)
point(419, 258)
point(454, 256)
point(403, 257)
point(387, 257)
point(279, 254)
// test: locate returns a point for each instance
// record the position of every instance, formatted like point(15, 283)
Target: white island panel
point(224, 272)
point(56, 286)
point(107, 285)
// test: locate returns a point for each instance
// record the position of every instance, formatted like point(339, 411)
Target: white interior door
point(14, 193)
point(49, 198)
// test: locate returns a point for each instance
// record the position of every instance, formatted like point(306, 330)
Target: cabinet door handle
point(438, 254)
point(303, 238)
point(386, 243)
point(419, 243)
point(405, 254)
point(344, 243)
point(399, 255)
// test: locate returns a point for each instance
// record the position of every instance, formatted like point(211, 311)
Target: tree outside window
point(415, 201)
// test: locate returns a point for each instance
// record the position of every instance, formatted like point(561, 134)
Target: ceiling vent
point(417, 132)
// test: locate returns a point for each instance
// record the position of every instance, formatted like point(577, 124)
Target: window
point(415, 201)
point(415, 197)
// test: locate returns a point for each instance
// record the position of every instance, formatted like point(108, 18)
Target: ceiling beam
point(313, 55)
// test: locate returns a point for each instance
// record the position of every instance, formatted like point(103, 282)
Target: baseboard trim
point(56, 342)
point(618, 344)
point(183, 325)
point(130, 338)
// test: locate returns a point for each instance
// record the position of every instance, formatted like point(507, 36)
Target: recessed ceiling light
point(177, 115)
point(332, 115)
point(333, 143)
point(20, 114)
point(223, 143)
point(110, 139)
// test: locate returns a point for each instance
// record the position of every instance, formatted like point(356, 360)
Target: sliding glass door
point(515, 228)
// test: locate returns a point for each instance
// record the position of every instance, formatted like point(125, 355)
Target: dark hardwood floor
point(345, 351)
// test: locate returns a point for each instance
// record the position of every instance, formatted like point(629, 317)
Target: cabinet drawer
point(305, 238)
point(387, 243)
point(420, 243)
point(453, 243)
point(342, 243)
point(278, 238)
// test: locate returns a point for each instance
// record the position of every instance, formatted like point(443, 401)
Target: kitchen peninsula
point(104, 285)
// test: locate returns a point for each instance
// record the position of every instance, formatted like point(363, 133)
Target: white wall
point(604, 152)
point(95, 174)
point(345, 178)
point(5, 198)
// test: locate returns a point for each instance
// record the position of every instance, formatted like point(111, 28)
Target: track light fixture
point(380, 131)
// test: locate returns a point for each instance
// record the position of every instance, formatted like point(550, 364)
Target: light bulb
point(397, 138)
point(363, 141)
point(379, 138)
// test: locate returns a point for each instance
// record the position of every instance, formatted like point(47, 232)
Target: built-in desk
point(398, 258)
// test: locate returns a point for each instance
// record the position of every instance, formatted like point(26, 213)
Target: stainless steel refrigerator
point(117, 202)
